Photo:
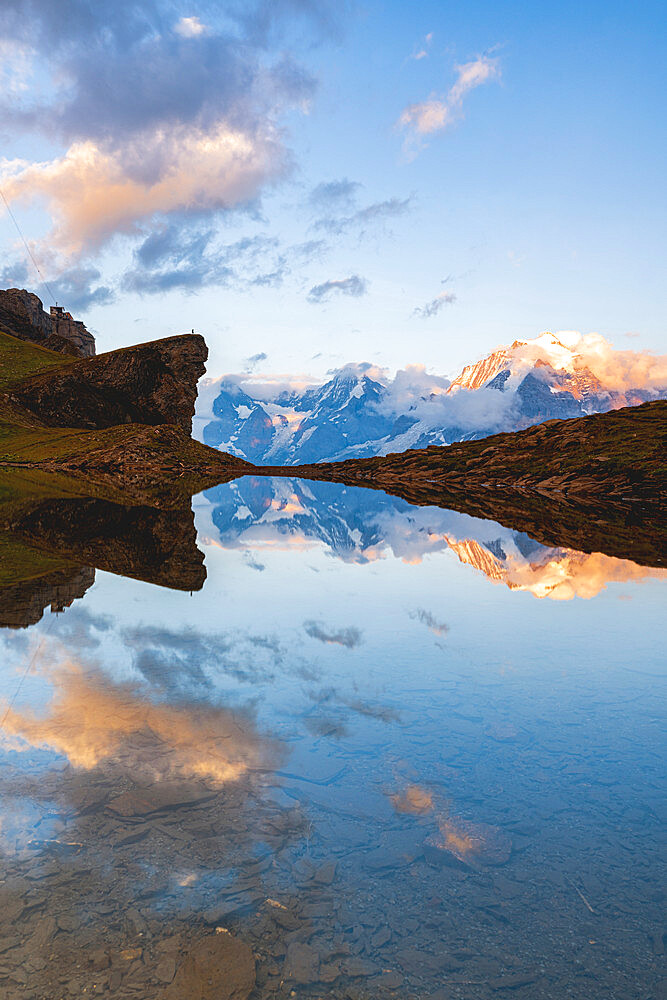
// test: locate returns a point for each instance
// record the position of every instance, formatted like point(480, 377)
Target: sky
point(311, 183)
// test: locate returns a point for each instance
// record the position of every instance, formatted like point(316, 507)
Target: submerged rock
point(302, 963)
point(473, 845)
point(218, 968)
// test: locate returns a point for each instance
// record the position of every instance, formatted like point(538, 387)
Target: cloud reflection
point(93, 721)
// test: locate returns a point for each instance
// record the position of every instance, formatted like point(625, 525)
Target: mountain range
point(259, 515)
point(359, 412)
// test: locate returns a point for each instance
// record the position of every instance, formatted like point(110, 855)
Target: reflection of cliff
point(157, 546)
point(24, 603)
point(361, 526)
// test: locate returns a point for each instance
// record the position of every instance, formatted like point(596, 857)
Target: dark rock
point(162, 796)
point(22, 315)
point(166, 969)
point(218, 968)
point(302, 963)
point(512, 982)
point(154, 383)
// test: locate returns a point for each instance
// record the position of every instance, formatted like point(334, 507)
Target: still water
point(385, 751)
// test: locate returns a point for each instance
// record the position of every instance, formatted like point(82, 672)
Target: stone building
point(64, 325)
point(22, 315)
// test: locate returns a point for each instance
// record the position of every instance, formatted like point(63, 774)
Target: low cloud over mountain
point(361, 411)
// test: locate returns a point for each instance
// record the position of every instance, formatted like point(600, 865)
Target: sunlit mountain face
point(360, 411)
point(362, 526)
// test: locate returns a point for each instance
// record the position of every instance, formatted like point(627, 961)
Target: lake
point(384, 751)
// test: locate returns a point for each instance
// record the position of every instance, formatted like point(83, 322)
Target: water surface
point(394, 751)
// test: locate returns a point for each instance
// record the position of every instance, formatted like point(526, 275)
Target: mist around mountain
point(262, 515)
point(360, 411)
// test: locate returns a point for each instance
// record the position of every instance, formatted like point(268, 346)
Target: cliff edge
point(154, 383)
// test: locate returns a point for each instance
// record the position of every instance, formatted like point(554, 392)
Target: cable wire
point(25, 243)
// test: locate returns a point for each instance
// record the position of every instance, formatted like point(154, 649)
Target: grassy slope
point(159, 465)
point(621, 451)
point(19, 562)
point(19, 359)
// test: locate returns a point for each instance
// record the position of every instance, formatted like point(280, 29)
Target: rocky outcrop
point(154, 383)
point(22, 315)
point(158, 546)
point(23, 604)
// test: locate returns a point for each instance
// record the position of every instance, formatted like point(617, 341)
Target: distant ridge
point(359, 413)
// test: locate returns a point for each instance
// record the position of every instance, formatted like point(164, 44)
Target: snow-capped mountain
point(361, 412)
point(259, 515)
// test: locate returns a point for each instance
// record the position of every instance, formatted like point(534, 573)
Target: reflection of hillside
point(24, 603)
point(158, 546)
point(358, 525)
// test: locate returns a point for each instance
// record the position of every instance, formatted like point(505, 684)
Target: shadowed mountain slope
point(593, 483)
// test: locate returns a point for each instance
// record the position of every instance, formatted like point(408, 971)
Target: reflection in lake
point(349, 766)
point(362, 526)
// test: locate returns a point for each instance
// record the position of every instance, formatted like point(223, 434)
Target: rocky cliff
point(23, 604)
point(158, 546)
point(22, 315)
point(154, 383)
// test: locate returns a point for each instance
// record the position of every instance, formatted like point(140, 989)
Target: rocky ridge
point(22, 315)
point(592, 484)
point(153, 383)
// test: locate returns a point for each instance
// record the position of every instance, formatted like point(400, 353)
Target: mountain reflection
point(363, 526)
point(356, 783)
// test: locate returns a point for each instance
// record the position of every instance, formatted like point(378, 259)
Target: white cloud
point(16, 68)
point(354, 286)
point(190, 27)
point(433, 307)
point(422, 51)
point(91, 195)
point(424, 396)
point(438, 113)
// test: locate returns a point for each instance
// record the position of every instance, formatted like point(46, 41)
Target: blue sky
point(536, 202)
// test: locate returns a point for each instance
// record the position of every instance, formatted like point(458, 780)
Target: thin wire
point(25, 243)
point(25, 673)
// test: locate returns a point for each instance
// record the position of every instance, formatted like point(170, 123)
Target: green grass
point(19, 443)
point(19, 360)
point(20, 562)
